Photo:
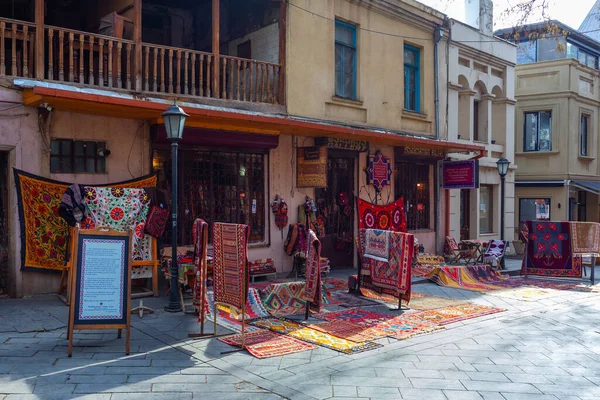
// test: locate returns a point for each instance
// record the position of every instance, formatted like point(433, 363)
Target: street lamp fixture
point(502, 164)
point(174, 118)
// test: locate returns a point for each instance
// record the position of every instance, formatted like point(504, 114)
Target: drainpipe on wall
point(437, 36)
point(568, 185)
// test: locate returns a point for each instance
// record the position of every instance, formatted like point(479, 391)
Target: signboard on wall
point(311, 167)
point(460, 174)
point(343, 144)
point(379, 170)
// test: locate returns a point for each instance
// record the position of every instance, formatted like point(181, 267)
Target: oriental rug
point(449, 315)
point(230, 274)
point(421, 301)
point(200, 240)
point(356, 316)
point(121, 209)
point(377, 245)
point(425, 264)
point(349, 331)
point(299, 331)
point(390, 301)
point(549, 251)
point(265, 344)
point(43, 232)
point(406, 326)
point(230, 317)
point(585, 237)
point(312, 289)
point(345, 299)
point(477, 278)
point(389, 217)
point(335, 284)
point(287, 298)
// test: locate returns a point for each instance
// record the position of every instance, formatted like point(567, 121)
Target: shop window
point(476, 120)
point(583, 136)
point(532, 209)
point(217, 186)
point(412, 78)
point(345, 60)
point(413, 185)
point(486, 211)
point(538, 131)
point(77, 156)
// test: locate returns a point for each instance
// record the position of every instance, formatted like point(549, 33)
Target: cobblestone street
point(544, 349)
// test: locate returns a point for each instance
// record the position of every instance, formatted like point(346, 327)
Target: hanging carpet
point(388, 218)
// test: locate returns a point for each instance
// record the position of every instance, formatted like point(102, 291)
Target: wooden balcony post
point(137, 37)
point(282, 49)
point(39, 39)
point(215, 44)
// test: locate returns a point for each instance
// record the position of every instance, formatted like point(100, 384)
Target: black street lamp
point(174, 119)
point(502, 164)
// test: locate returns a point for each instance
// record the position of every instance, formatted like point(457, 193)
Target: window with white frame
point(537, 135)
point(583, 135)
point(486, 211)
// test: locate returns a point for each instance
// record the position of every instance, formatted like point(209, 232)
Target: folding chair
point(459, 252)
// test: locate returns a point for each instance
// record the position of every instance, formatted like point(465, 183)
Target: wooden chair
point(458, 252)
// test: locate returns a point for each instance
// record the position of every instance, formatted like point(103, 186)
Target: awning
point(590, 186)
point(540, 183)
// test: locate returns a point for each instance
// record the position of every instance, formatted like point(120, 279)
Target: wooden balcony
point(92, 60)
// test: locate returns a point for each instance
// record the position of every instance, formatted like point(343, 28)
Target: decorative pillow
point(157, 221)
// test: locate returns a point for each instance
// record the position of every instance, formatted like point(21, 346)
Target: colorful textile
point(389, 300)
point(157, 221)
point(334, 284)
point(406, 326)
point(122, 209)
point(230, 275)
point(230, 317)
point(200, 240)
point(356, 316)
point(265, 344)
point(449, 315)
point(262, 266)
point(312, 288)
point(422, 270)
point(348, 300)
point(388, 218)
point(285, 298)
point(349, 331)
point(478, 278)
point(526, 293)
point(421, 301)
point(43, 232)
point(430, 259)
point(494, 252)
point(72, 207)
point(377, 245)
point(299, 331)
point(585, 237)
point(549, 251)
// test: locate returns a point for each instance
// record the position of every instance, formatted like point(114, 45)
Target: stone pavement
point(539, 350)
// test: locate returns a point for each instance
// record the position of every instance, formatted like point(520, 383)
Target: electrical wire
point(358, 28)
point(137, 132)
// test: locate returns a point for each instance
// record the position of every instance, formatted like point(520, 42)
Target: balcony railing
point(107, 62)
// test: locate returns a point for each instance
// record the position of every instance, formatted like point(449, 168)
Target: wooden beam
point(222, 125)
point(39, 39)
point(31, 99)
point(216, 30)
point(137, 37)
point(282, 49)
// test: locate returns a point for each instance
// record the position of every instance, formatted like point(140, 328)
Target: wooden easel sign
point(101, 282)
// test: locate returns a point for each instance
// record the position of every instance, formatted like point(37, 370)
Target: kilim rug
point(356, 316)
point(421, 301)
point(390, 301)
point(43, 232)
point(390, 217)
point(335, 284)
point(449, 315)
point(230, 274)
point(231, 318)
point(478, 278)
point(299, 331)
point(421, 270)
point(549, 251)
point(585, 237)
point(285, 298)
point(345, 299)
point(349, 331)
point(406, 326)
point(312, 288)
point(265, 344)
point(200, 240)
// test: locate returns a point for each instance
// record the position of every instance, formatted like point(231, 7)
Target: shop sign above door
point(343, 144)
point(311, 166)
point(379, 170)
point(460, 174)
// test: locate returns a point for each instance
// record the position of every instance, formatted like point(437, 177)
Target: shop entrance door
point(336, 207)
point(465, 213)
point(4, 228)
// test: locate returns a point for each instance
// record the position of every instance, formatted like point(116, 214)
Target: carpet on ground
point(356, 316)
point(345, 299)
point(406, 325)
point(265, 344)
point(299, 331)
point(286, 298)
point(421, 301)
point(449, 315)
point(335, 284)
point(230, 317)
point(478, 278)
point(349, 331)
point(526, 293)
point(425, 264)
point(549, 250)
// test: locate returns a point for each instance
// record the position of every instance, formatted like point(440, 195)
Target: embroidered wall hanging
point(379, 170)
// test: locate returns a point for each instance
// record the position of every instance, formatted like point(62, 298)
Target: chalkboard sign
point(101, 282)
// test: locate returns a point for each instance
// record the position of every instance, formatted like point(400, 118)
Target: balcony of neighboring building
point(216, 52)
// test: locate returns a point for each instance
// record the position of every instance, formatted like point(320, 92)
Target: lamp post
point(502, 164)
point(174, 118)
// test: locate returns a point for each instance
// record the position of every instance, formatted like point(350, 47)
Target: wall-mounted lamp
point(103, 152)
